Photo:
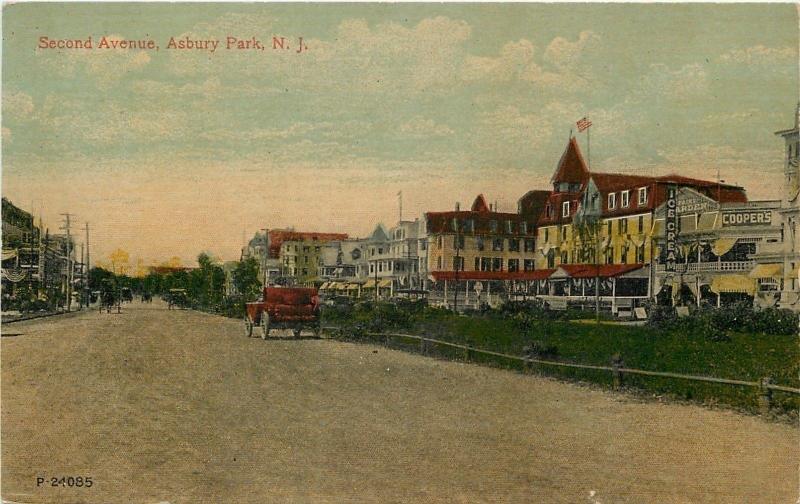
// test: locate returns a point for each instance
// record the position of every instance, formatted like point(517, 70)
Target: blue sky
point(174, 152)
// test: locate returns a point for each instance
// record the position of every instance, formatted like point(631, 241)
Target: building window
point(546, 235)
point(439, 263)
point(380, 267)
point(626, 199)
point(423, 244)
point(563, 233)
point(623, 226)
point(551, 259)
point(497, 244)
point(609, 227)
point(305, 271)
point(528, 264)
point(548, 210)
point(471, 225)
point(612, 201)
point(477, 264)
point(486, 264)
point(513, 246)
point(641, 224)
point(642, 196)
point(513, 265)
point(441, 241)
point(497, 264)
point(458, 263)
point(479, 244)
point(530, 245)
point(493, 226)
point(565, 209)
point(458, 241)
point(509, 227)
point(523, 227)
point(640, 254)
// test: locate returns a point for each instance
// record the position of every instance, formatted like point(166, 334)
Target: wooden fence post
point(616, 374)
point(422, 347)
point(765, 396)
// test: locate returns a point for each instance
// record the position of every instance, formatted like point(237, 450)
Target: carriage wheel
point(297, 331)
point(264, 325)
point(248, 326)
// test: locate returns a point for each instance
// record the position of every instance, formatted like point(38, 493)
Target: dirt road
point(178, 406)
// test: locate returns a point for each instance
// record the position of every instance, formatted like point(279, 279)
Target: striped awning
point(723, 245)
point(385, 283)
point(10, 254)
point(734, 283)
point(370, 284)
point(767, 271)
point(14, 276)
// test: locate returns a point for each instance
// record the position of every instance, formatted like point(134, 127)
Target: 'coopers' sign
point(671, 228)
point(746, 217)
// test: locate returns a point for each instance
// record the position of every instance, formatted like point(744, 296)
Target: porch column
point(614, 295)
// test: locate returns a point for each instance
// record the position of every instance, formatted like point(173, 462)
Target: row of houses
point(37, 264)
point(613, 239)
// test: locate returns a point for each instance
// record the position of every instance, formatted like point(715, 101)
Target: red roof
point(481, 217)
point(278, 236)
point(554, 204)
point(493, 275)
point(603, 271)
point(479, 205)
point(571, 167)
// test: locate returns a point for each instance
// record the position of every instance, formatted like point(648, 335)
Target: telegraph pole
point(86, 265)
point(66, 227)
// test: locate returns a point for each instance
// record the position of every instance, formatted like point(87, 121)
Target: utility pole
point(66, 227)
point(457, 264)
point(400, 197)
point(83, 278)
point(88, 295)
point(265, 254)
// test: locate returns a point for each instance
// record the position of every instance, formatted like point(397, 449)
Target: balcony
point(705, 267)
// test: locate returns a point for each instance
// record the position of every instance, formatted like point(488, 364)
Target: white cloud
point(421, 128)
point(759, 54)
point(686, 82)
point(566, 54)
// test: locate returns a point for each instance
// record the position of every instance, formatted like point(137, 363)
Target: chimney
point(458, 206)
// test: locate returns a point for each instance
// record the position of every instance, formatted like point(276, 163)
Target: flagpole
point(589, 147)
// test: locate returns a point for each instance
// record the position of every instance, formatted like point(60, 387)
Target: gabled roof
point(479, 205)
point(571, 167)
point(278, 236)
point(380, 234)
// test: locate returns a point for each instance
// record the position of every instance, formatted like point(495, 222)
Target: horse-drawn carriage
point(177, 298)
point(292, 308)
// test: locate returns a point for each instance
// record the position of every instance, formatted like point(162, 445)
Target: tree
point(119, 261)
point(245, 278)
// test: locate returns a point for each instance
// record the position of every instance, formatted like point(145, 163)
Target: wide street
point(180, 407)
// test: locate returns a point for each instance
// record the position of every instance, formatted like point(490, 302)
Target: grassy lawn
point(745, 356)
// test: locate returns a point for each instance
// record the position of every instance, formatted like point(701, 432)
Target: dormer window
point(612, 201)
point(626, 199)
point(642, 196)
point(565, 209)
point(548, 210)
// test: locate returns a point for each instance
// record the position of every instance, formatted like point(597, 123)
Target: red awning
point(603, 271)
point(492, 275)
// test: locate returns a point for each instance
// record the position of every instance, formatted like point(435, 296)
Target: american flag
point(583, 124)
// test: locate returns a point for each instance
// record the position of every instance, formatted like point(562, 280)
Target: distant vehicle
point(338, 301)
point(147, 297)
point(177, 298)
point(108, 299)
point(292, 308)
point(126, 294)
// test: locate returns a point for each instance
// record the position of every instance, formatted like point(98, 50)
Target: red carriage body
point(293, 308)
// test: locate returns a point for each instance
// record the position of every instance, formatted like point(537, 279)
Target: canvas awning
point(733, 283)
point(723, 245)
point(341, 286)
point(385, 283)
point(14, 276)
point(352, 286)
point(767, 271)
point(9, 254)
point(370, 284)
point(324, 286)
point(707, 221)
point(658, 227)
